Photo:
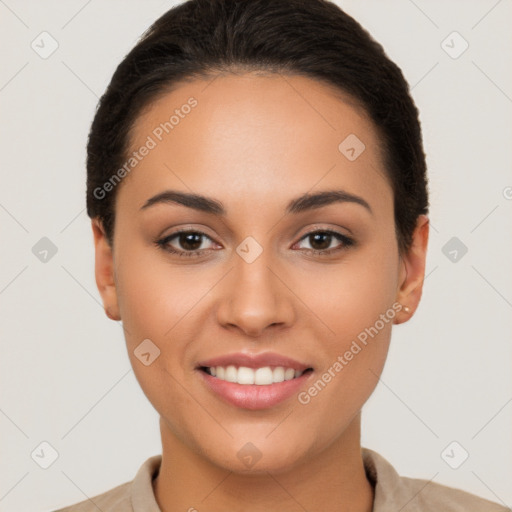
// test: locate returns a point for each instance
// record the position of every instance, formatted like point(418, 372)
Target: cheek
point(153, 307)
point(355, 300)
point(162, 303)
point(152, 296)
point(350, 296)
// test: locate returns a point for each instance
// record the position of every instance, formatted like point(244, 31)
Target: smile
point(243, 375)
point(253, 381)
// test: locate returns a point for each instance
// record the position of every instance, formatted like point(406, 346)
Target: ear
point(104, 270)
point(412, 271)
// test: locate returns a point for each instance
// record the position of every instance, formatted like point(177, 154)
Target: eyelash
point(163, 242)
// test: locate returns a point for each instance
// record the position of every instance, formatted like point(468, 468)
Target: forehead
point(259, 135)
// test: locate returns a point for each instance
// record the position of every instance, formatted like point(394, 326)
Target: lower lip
point(253, 396)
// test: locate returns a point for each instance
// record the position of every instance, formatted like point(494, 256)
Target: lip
point(253, 396)
point(255, 361)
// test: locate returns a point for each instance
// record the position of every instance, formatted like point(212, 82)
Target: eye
point(320, 241)
point(191, 243)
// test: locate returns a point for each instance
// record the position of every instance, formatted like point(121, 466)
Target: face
point(289, 260)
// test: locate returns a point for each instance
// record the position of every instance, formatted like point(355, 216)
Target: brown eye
point(190, 241)
point(184, 243)
point(320, 241)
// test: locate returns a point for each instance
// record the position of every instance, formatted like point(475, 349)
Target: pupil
point(316, 237)
point(192, 241)
point(187, 242)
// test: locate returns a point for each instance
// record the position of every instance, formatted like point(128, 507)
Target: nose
point(255, 298)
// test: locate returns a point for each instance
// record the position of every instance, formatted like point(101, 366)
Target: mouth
point(262, 376)
point(254, 381)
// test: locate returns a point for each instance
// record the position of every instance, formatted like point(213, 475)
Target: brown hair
point(313, 38)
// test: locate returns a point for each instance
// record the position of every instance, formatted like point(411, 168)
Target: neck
point(332, 481)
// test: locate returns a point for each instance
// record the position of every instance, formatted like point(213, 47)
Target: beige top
point(393, 492)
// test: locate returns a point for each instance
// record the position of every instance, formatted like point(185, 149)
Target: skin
point(254, 143)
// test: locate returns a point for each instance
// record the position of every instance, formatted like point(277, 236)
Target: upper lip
point(254, 361)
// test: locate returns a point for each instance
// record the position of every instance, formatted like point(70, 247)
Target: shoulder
point(134, 496)
point(115, 500)
point(427, 496)
point(395, 492)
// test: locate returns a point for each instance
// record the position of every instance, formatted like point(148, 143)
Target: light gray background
point(66, 377)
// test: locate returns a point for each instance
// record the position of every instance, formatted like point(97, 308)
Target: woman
point(258, 194)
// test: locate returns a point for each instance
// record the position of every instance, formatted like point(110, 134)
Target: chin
point(260, 456)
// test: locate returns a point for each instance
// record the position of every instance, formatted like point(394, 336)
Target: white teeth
point(245, 375)
point(231, 374)
point(289, 374)
point(278, 374)
point(261, 376)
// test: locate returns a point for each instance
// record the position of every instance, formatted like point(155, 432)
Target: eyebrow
point(297, 205)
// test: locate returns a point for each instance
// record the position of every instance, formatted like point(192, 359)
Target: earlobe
point(104, 271)
point(413, 271)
